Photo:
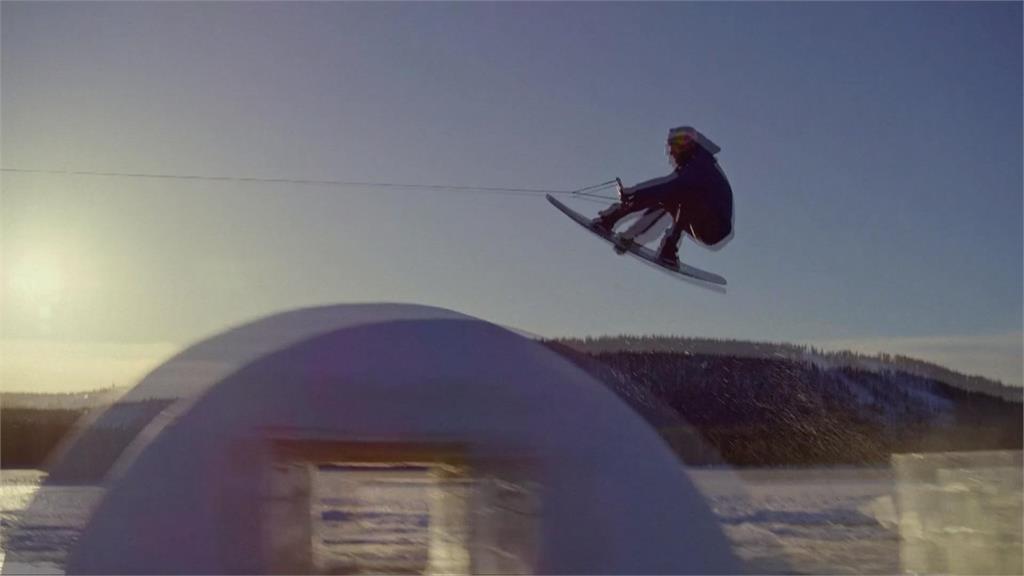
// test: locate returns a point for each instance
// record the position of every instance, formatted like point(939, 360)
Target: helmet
point(684, 134)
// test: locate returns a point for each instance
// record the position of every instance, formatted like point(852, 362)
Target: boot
point(607, 218)
point(602, 226)
point(668, 252)
point(669, 257)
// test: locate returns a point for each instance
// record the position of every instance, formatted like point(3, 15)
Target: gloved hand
point(625, 193)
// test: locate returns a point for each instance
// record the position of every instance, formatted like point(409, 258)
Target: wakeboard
point(638, 250)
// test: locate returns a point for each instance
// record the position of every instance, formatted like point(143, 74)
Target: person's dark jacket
point(700, 190)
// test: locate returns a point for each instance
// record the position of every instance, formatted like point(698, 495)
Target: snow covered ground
point(797, 520)
point(38, 543)
point(807, 520)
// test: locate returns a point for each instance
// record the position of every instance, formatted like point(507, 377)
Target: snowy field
point(807, 521)
point(41, 541)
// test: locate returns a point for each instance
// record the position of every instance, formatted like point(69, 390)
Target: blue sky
point(874, 151)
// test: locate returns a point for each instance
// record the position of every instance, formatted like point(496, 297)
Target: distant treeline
point(765, 410)
point(748, 349)
point(28, 435)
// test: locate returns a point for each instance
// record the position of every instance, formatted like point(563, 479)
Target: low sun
point(38, 282)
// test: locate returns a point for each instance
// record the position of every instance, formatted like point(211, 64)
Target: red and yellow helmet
point(683, 137)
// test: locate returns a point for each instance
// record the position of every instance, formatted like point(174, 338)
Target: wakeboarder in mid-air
point(696, 194)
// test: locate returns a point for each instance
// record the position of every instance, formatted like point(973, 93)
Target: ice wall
point(960, 512)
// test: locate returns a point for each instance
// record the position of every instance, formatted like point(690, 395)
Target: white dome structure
point(399, 439)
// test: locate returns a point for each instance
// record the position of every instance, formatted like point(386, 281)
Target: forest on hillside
point(28, 436)
point(746, 410)
point(782, 350)
point(770, 411)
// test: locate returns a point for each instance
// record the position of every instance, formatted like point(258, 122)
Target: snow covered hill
point(769, 409)
point(881, 363)
point(748, 403)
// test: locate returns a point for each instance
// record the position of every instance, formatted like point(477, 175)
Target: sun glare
point(39, 282)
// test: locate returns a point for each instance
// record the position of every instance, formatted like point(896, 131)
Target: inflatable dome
point(395, 439)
